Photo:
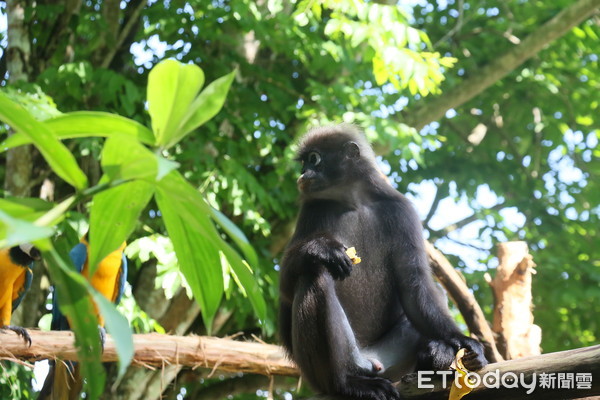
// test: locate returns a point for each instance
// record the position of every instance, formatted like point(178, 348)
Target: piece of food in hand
point(456, 392)
point(351, 252)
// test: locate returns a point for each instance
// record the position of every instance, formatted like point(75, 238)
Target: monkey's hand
point(438, 354)
point(474, 359)
point(331, 254)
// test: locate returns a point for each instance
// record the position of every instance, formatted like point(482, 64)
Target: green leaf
point(585, 120)
point(113, 217)
point(198, 258)
point(27, 208)
point(86, 124)
point(56, 154)
point(194, 214)
point(76, 304)
point(236, 235)
point(206, 105)
point(247, 281)
point(125, 158)
point(14, 231)
point(172, 86)
point(118, 326)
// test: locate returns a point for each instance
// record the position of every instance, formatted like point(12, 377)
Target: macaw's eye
point(314, 158)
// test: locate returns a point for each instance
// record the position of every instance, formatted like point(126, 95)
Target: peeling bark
point(157, 350)
point(513, 323)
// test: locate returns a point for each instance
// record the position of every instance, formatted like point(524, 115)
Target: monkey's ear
point(351, 150)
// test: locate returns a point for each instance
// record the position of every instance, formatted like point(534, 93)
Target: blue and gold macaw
point(109, 279)
point(16, 264)
point(63, 381)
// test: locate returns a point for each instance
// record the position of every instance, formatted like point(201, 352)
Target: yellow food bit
point(457, 393)
point(351, 252)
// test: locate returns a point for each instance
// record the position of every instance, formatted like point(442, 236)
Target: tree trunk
point(517, 336)
point(18, 52)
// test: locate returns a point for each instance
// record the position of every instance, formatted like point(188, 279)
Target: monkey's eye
point(314, 158)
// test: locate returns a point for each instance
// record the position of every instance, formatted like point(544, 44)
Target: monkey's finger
point(343, 271)
point(347, 266)
point(470, 354)
point(475, 364)
point(337, 270)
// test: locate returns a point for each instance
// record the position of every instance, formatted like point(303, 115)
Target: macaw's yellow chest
point(12, 280)
point(9, 270)
point(106, 277)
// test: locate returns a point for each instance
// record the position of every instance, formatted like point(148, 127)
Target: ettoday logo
point(510, 380)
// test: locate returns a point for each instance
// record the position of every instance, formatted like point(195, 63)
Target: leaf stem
point(55, 214)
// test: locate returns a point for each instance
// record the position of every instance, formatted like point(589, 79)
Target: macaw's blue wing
point(25, 288)
point(122, 278)
point(79, 255)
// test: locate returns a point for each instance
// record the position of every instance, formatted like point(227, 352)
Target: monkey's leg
point(397, 350)
point(324, 345)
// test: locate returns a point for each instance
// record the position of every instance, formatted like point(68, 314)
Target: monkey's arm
point(424, 304)
point(320, 250)
point(302, 258)
point(422, 301)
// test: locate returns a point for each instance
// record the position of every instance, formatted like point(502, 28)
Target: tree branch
point(441, 192)
point(237, 385)
point(457, 225)
point(513, 323)
point(265, 359)
point(584, 360)
point(127, 29)
point(504, 64)
point(154, 349)
point(464, 300)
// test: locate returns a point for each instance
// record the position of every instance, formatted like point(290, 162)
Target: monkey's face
point(325, 173)
point(313, 177)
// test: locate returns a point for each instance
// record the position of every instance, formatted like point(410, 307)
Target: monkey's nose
point(302, 182)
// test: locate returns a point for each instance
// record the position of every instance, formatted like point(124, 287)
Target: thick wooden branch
point(502, 65)
point(464, 300)
point(257, 358)
point(154, 349)
point(513, 323)
point(572, 364)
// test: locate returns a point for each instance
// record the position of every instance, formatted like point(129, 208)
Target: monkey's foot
point(371, 388)
point(19, 331)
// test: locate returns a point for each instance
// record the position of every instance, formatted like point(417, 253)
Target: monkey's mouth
point(303, 184)
point(306, 184)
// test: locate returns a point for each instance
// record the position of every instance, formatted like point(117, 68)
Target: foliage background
point(519, 161)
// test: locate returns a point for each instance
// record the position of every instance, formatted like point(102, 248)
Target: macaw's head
point(31, 251)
